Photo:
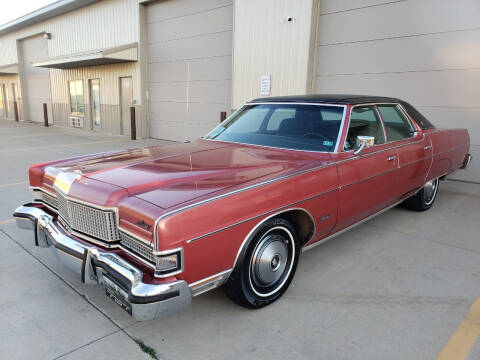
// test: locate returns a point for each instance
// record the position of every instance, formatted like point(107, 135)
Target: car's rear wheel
point(266, 267)
point(423, 199)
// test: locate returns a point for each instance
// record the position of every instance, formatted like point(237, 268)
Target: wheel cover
point(430, 190)
point(271, 261)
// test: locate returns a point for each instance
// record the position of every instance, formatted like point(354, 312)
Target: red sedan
point(157, 225)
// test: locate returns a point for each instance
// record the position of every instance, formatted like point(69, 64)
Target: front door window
point(364, 121)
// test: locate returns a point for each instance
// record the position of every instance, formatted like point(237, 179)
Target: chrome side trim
point(284, 209)
point(210, 283)
point(252, 231)
point(324, 240)
point(160, 218)
point(254, 186)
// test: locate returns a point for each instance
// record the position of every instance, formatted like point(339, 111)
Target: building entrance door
point(126, 99)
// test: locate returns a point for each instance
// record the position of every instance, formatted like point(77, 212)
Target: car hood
point(167, 176)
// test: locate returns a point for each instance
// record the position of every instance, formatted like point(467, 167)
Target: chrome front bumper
point(122, 281)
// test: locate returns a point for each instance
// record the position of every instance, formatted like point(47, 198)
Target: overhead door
point(35, 81)
point(189, 66)
point(424, 51)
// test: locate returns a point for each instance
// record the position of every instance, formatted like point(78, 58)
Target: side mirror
point(364, 142)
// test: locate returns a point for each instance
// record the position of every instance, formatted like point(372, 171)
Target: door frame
point(120, 101)
point(92, 125)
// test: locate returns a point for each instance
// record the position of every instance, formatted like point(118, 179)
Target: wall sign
point(265, 85)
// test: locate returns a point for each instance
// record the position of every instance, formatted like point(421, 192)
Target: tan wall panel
point(330, 6)
point(452, 50)
point(205, 46)
point(190, 47)
point(266, 44)
point(202, 23)
point(428, 88)
point(424, 51)
point(180, 8)
point(404, 18)
point(34, 81)
point(102, 25)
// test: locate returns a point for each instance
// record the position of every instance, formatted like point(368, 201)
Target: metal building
point(182, 63)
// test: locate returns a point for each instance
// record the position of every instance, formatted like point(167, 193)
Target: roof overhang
point(119, 54)
point(11, 69)
point(47, 12)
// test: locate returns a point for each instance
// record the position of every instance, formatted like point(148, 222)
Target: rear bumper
point(466, 161)
point(121, 280)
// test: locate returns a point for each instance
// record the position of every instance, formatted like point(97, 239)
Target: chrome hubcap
point(271, 261)
point(429, 190)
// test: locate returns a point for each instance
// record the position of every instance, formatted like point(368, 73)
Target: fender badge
point(144, 225)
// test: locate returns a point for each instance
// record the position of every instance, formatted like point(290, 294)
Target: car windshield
point(288, 126)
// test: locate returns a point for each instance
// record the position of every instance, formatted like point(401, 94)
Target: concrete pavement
point(396, 287)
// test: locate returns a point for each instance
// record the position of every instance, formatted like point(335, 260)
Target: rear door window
point(396, 124)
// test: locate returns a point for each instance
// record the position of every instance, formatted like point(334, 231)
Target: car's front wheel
point(267, 265)
point(423, 199)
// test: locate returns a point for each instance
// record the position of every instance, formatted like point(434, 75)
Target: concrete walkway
point(396, 287)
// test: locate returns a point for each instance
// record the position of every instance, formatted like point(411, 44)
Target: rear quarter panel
point(449, 148)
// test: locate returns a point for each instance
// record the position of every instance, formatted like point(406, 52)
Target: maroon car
point(157, 225)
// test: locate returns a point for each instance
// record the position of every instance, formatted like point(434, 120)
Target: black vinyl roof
point(345, 99)
point(329, 98)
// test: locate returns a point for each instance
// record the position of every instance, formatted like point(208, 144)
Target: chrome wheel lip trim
point(433, 194)
point(287, 274)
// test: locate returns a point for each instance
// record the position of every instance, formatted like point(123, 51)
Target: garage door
point(424, 51)
point(190, 66)
point(35, 81)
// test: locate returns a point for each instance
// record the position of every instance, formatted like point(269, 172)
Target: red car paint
point(207, 196)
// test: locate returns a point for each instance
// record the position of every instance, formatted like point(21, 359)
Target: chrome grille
point(48, 199)
point(88, 220)
point(134, 245)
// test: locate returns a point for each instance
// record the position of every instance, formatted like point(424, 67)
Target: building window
point(95, 101)
point(77, 104)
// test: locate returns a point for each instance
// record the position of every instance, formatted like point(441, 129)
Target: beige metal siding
point(35, 82)
point(8, 80)
point(109, 76)
point(106, 24)
point(267, 44)
point(424, 51)
point(189, 66)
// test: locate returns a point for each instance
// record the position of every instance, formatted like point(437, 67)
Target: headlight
point(169, 263)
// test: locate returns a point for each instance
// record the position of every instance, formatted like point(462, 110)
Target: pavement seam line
point(7, 221)
point(87, 344)
point(463, 339)
point(13, 184)
point(66, 282)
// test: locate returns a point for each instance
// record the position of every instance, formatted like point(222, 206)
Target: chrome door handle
point(426, 147)
point(392, 157)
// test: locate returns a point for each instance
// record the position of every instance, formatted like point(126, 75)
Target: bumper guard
point(122, 281)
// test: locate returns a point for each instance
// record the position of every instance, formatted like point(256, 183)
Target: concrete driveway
point(400, 286)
